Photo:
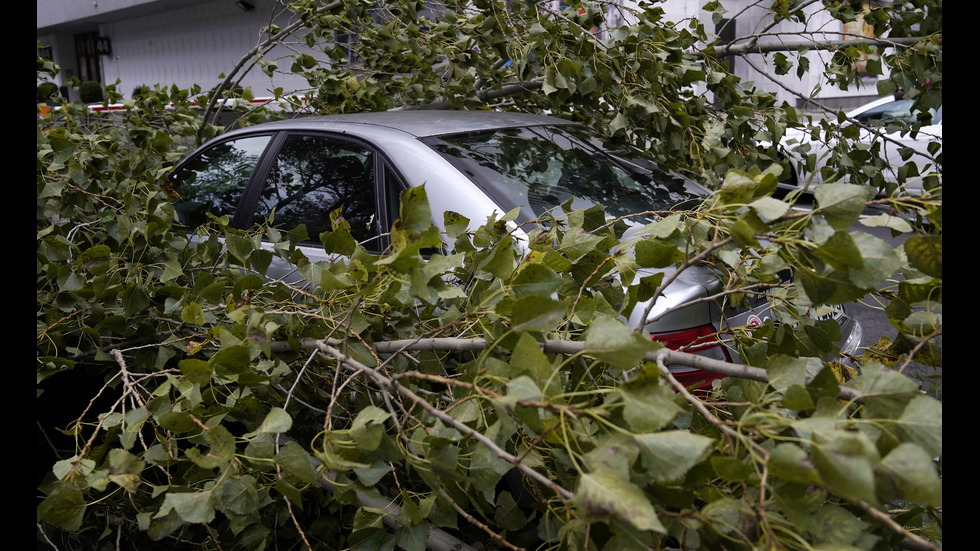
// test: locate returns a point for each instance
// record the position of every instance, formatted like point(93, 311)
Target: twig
point(268, 43)
point(40, 529)
point(670, 279)
point(918, 346)
point(732, 435)
point(918, 541)
point(387, 382)
point(474, 521)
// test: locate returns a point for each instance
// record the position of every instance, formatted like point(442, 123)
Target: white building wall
point(758, 69)
point(187, 43)
point(192, 45)
point(751, 17)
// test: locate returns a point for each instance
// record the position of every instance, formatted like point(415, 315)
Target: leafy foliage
point(491, 395)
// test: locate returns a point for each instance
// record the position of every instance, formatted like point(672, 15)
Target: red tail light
point(699, 340)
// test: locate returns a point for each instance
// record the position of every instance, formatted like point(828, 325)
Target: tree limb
point(393, 385)
point(753, 47)
point(449, 344)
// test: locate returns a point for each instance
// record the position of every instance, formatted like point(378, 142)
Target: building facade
point(188, 42)
point(167, 42)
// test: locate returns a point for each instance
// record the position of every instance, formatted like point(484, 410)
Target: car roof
point(418, 123)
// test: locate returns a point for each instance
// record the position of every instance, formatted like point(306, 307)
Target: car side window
point(214, 181)
point(311, 177)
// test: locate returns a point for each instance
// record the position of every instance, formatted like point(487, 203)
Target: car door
point(214, 180)
point(290, 179)
point(309, 177)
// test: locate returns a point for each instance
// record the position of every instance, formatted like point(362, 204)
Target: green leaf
point(535, 279)
point(670, 455)
point(797, 398)
point(769, 209)
point(125, 469)
point(236, 495)
point(614, 452)
point(289, 492)
point(614, 343)
point(192, 507)
point(193, 314)
point(294, 460)
point(413, 538)
point(197, 371)
point(371, 475)
point(725, 514)
point(369, 427)
point(895, 223)
point(730, 468)
point(922, 423)
point(837, 526)
point(840, 252)
point(739, 188)
point(456, 224)
point(135, 300)
point(790, 462)
point(232, 359)
point(508, 514)
point(648, 407)
point(277, 420)
point(415, 213)
point(907, 472)
point(744, 234)
point(133, 425)
point(537, 313)
point(846, 463)
point(885, 392)
point(63, 507)
point(604, 494)
point(925, 253)
point(785, 371)
point(220, 452)
point(842, 204)
point(529, 360)
point(880, 261)
point(885, 87)
point(653, 253)
point(239, 246)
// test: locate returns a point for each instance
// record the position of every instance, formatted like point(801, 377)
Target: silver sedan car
point(474, 163)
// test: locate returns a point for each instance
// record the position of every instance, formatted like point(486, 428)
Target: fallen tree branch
point(392, 385)
point(451, 344)
point(755, 48)
point(439, 539)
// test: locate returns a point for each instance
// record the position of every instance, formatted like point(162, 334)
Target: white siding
point(191, 45)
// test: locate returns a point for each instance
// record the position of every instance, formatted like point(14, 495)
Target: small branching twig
point(386, 382)
point(475, 522)
point(670, 279)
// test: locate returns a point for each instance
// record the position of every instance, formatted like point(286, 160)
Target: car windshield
point(540, 168)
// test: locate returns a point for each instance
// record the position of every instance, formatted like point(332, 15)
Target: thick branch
point(754, 48)
point(669, 357)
